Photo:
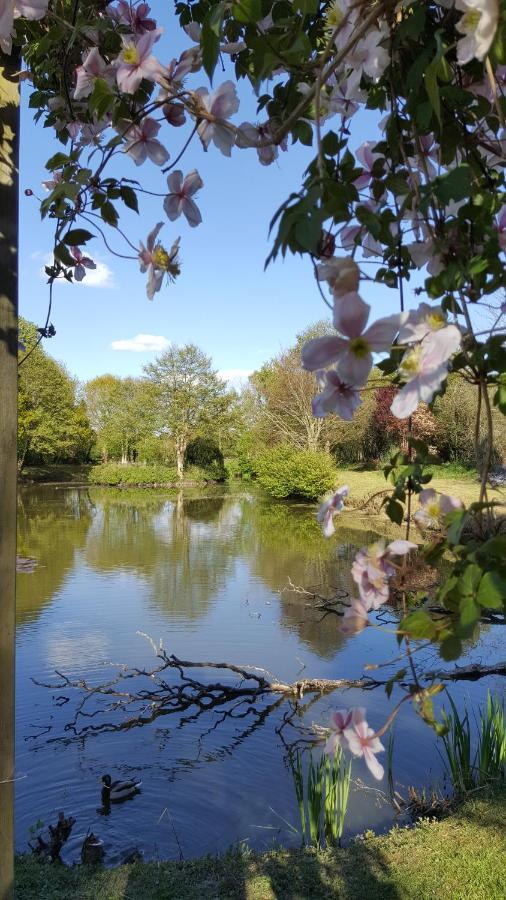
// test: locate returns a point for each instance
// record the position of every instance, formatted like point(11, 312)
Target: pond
point(209, 574)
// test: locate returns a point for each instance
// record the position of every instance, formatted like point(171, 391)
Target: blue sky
point(223, 300)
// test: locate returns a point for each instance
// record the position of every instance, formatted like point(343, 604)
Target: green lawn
point(461, 858)
point(465, 486)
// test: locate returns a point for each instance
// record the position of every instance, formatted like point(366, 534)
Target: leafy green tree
point(189, 395)
point(121, 413)
point(52, 422)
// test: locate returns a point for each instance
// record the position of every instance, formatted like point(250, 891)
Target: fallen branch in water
point(468, 673)
point(187, 694)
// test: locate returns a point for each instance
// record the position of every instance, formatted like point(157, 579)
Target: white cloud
point(142, 343)
point(234, 374)
point(100, 277)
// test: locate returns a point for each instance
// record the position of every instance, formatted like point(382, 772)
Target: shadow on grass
point(281, 875)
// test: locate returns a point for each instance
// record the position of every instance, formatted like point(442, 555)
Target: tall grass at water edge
point(474, 762)
point(322, 789)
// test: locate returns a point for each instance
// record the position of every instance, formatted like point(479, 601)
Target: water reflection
point(207, 572)
point(52, 527)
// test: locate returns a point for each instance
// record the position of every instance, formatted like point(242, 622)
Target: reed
point(470, 769)
point(322, 789)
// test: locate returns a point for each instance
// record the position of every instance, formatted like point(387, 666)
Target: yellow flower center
point(471, 20)
point(334, 16)
point(160, 257)
point(359, 347)
point(410, 364)
point(432, 509)
point(436, 320)
point(131, 55)
point(167, 261)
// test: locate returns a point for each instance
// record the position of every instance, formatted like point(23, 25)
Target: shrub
point(203, 452)
point(284, 472)
point(115, 473)
point(199, 475)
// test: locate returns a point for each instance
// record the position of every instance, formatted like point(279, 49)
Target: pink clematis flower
point(14, 9)
point(341, 274)
point(340, 719)
point(157, 262)
point(92, 67)
point(335, 397)
point(179, 200)
point(353, 352)
point(478, 25)
point(372, 568)
point(82, 263)
point(332, 505)
point(501, 228)
point(355, 618)
point(136, 62)
point(434, 507)
point(356, 235)
point(420, 322)
point(249, 135)
point(56, 179)
point(366, 158)
point(362, 742)
point(134, 17)
point(424, 368)
point(219, 105)
point(142, 143)
point(425, 253)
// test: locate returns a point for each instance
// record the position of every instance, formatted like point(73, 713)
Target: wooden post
point(9, 159)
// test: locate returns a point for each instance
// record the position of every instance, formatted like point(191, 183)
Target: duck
point(115, 791)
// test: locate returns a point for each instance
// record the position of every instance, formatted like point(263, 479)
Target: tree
point(121, 413)
point(189, 395)
point(283, 394)
point(52, 422)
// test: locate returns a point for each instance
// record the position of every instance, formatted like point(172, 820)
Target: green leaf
point(108, 213)
point(469, 580)
point(129, 197)
point(492, 590)
point(62, 254)
point(247, 11)
point(210, 40)
point(394, 511)
point(77, 236)
point(101, 98)
point(418, 625)
point(469, 615)
point(431, 79)
point(57, 161)
point(451, 647)
point(456, 185)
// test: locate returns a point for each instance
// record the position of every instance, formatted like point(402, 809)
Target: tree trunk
point(180, 452)
point(9, 161)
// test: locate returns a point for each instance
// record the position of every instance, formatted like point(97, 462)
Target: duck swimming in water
point(115, 791)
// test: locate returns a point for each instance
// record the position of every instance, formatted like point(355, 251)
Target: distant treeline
point(180, 414)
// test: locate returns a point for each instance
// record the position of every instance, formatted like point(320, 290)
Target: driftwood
point(467, 673)
point(58, 835)
point(136, 697)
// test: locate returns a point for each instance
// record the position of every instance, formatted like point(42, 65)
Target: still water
point(208, 573)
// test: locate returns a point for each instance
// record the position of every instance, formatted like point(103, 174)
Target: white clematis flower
point(478, 25)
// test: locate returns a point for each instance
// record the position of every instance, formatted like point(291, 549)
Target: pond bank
point(463, 855)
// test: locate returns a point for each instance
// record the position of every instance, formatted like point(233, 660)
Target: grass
point(463, 856)
point(466, 487)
